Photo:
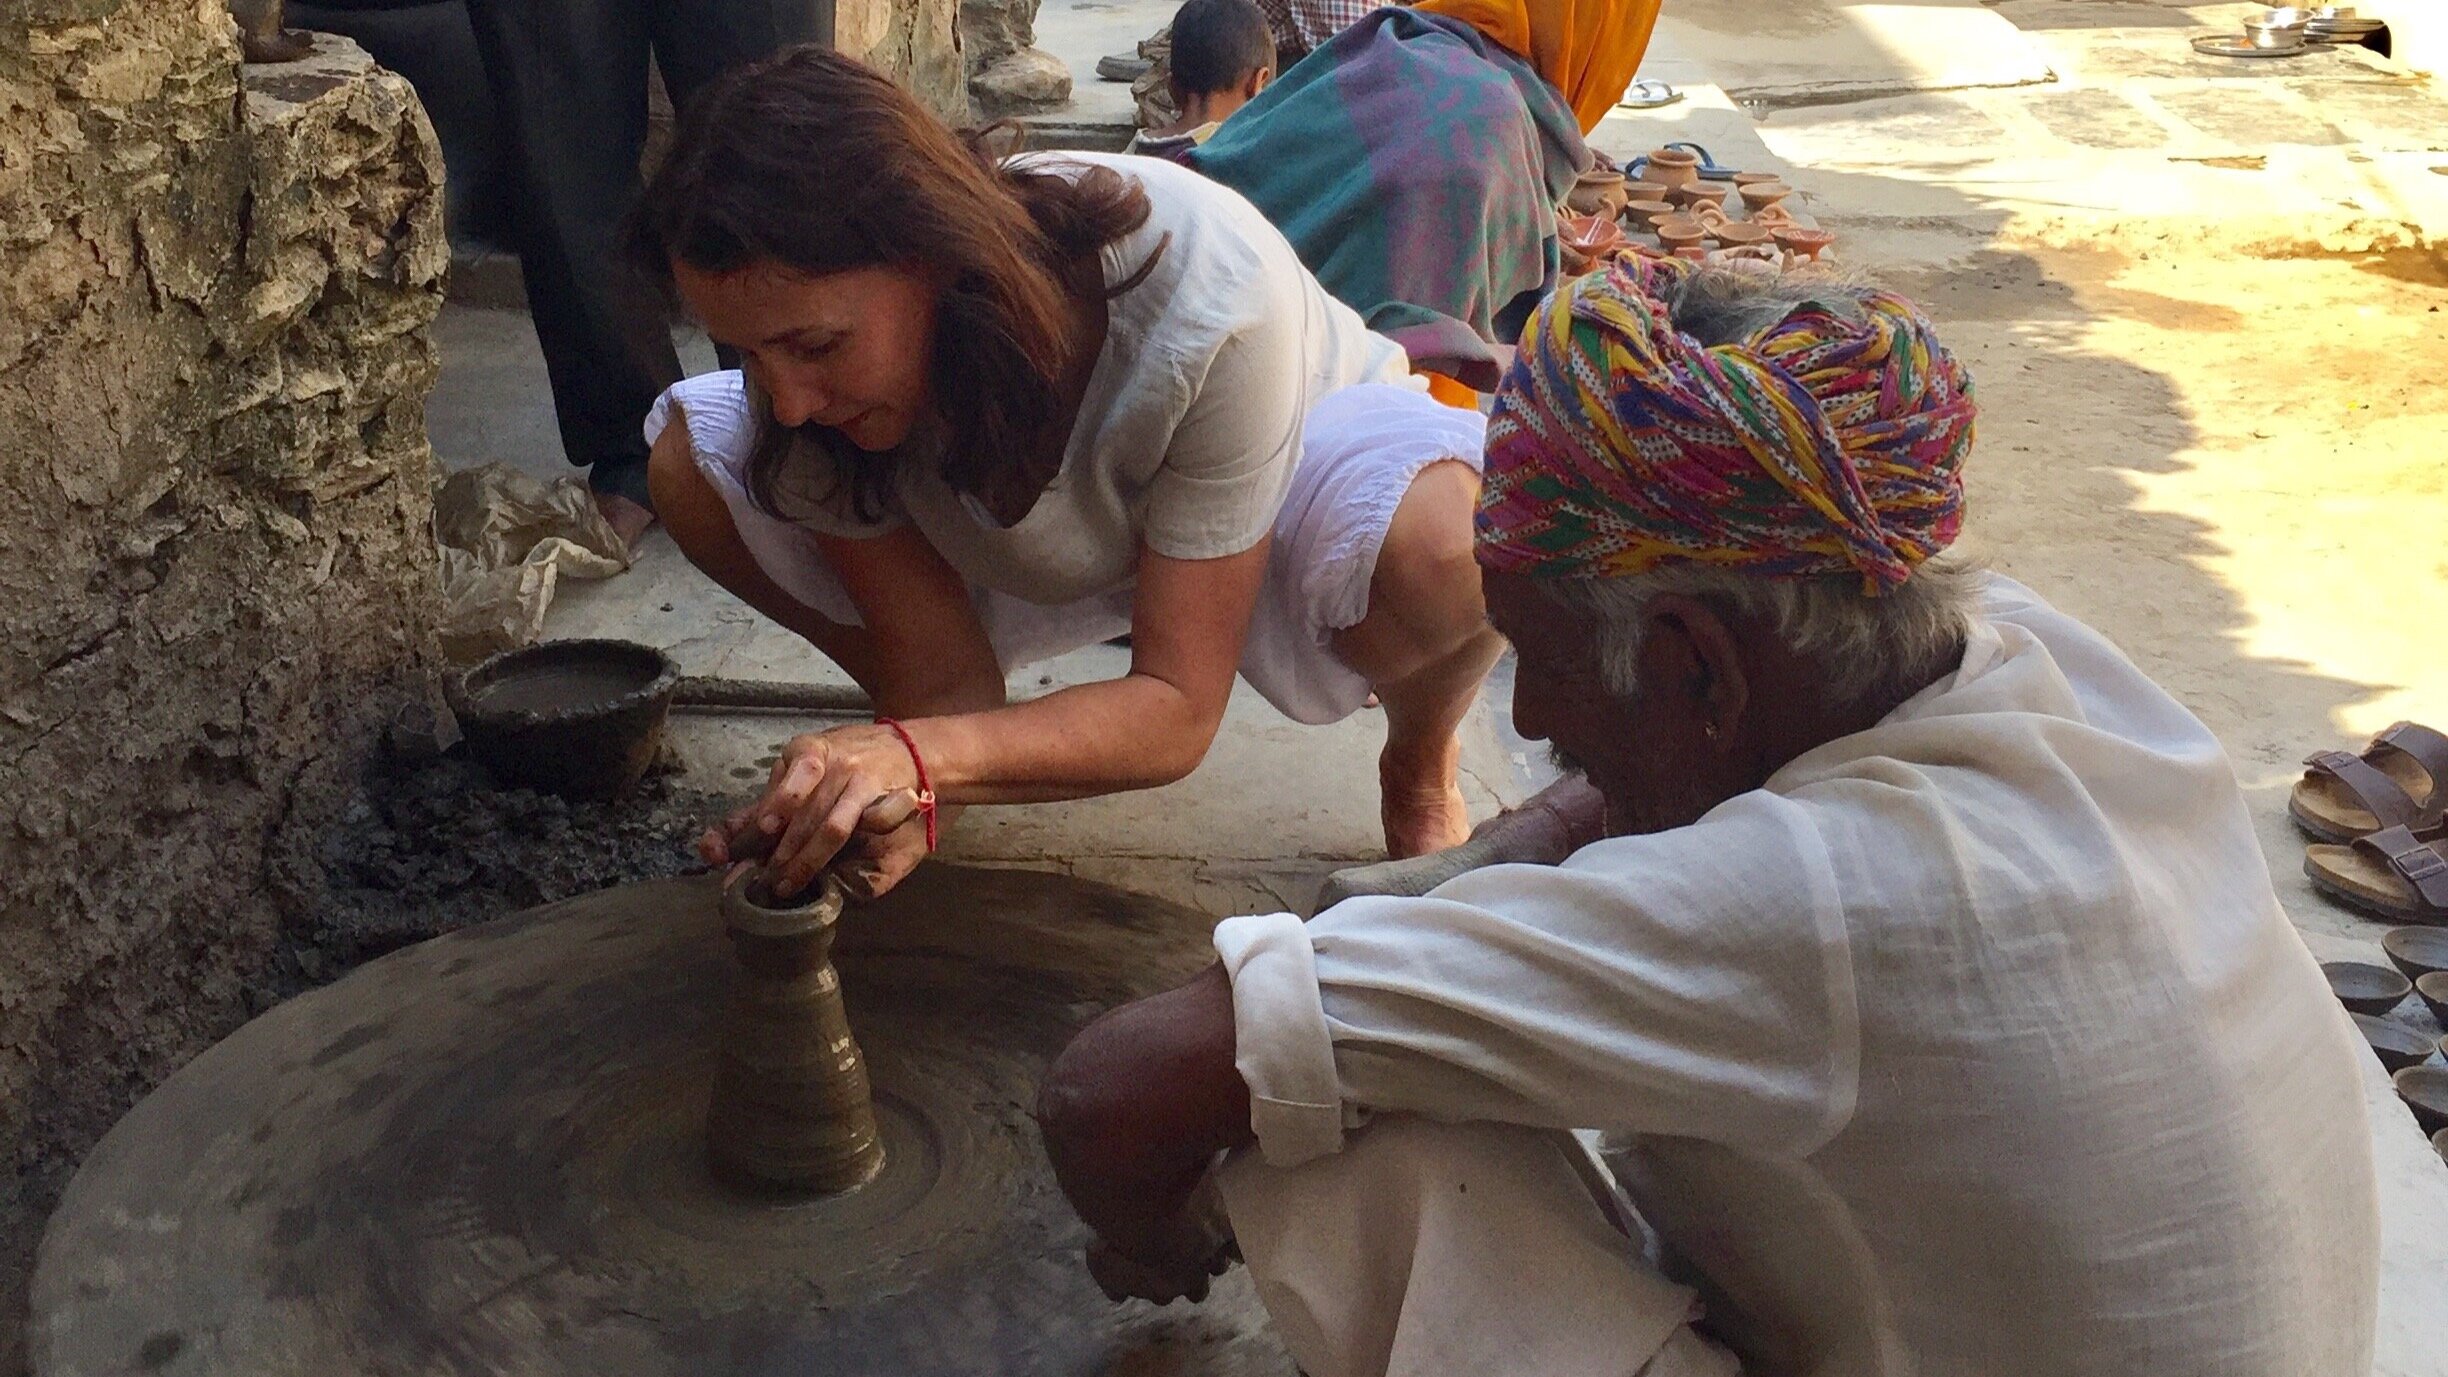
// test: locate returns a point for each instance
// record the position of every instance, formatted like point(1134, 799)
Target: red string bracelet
point(926, 791)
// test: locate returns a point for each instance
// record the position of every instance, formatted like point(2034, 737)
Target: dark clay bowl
point(2366, 988)
point(2417, 951)
point(2397, 1047)
point(582, 719)
point(2434, 991)
point(2425, 1091)
point(2439, 1144)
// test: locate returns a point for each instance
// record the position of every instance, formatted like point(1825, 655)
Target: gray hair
point(1855, 642)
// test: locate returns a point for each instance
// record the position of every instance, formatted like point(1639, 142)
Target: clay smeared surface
point(529, 1193)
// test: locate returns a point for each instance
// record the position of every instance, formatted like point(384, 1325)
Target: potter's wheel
point(486, 1155)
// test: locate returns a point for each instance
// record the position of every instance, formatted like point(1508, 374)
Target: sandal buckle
point(2423, 864)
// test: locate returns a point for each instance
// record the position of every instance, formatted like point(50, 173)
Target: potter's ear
point(1256, 82)
point(1702, 658)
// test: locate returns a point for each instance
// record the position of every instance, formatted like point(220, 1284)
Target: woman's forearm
point(1135, 732)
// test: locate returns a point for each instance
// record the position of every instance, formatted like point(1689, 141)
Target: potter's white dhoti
point(1424, 1249)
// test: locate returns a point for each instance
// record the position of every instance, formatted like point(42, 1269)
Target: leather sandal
point(2397, 872)
point(2399, 780)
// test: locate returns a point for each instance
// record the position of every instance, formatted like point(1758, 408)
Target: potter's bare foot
point(1421, 802)
point(630, 520)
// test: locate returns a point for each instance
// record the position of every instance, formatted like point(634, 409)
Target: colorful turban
point(1818, 446)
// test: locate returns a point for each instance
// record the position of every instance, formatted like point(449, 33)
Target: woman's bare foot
point(1421, 802)
point(630, 520)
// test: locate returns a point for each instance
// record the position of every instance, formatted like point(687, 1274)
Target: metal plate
point(483, 1155)
point(2223, 46)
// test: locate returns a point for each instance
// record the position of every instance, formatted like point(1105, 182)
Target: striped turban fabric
point(1821, 445)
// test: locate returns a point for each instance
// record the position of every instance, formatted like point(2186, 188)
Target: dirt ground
point(2232, 462)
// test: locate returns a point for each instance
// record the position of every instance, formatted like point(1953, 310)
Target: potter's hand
point(874, 861)
point(1549, 826)
point(826, 788)
point(1172, 1261)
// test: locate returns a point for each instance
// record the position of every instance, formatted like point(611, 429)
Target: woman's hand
point(826, 789)
point(874, 861)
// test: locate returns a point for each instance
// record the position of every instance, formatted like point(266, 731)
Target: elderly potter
point(1916, 960)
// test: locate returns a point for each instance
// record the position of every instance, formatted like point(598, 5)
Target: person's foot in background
point(630, 520)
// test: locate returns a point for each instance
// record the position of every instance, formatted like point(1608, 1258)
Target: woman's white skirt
point(1360, 450)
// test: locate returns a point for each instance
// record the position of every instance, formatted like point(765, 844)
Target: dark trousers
point(569, 77)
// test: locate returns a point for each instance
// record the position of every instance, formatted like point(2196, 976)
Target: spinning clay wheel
point(598, 1138)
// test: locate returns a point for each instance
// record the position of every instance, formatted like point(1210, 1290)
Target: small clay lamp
point(2397, 1046)
point(1679, 232)
point(2364, 987)
point(1773, 216)
point(1734, 234)
point(2434, 991)
point(1760, 195)
point(2416, 951)
point(1743, 179)
point(2425, 1091)
point(1803, 242)
point(1699, 193)
point(1672, 167)
point(1644, 191)
point(1645, 214)
point(1587, 240)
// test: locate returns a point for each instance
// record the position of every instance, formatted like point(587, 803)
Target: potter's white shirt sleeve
point(1695, 983)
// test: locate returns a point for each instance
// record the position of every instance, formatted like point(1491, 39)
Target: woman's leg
point(701, 525)
point(1425, 646)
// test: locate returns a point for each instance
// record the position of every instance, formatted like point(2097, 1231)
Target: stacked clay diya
point(1688, 213)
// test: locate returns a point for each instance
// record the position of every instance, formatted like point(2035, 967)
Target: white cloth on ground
point(1360, 449)
point(1429, 1250)
point(1974, 1043)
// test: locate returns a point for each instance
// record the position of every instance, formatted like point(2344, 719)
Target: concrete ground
point(2203, 303)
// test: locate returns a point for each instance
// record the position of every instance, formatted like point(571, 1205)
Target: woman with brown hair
point(996, 409)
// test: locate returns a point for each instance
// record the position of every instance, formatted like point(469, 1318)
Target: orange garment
point(1450, 392)
point(1587, 49)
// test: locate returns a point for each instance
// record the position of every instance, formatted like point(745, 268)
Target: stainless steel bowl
point(2274, 37)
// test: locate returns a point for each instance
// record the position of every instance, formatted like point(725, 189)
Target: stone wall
point(915, 42)
point(1008, 73)
point(216, 578)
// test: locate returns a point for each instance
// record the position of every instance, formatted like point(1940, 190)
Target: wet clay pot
point(1803, 242)
point(1599, 192)
point(1645, 214)
point(792, 1111)
point(1672, 167)
point(1680, 232)
point(1760, 195)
